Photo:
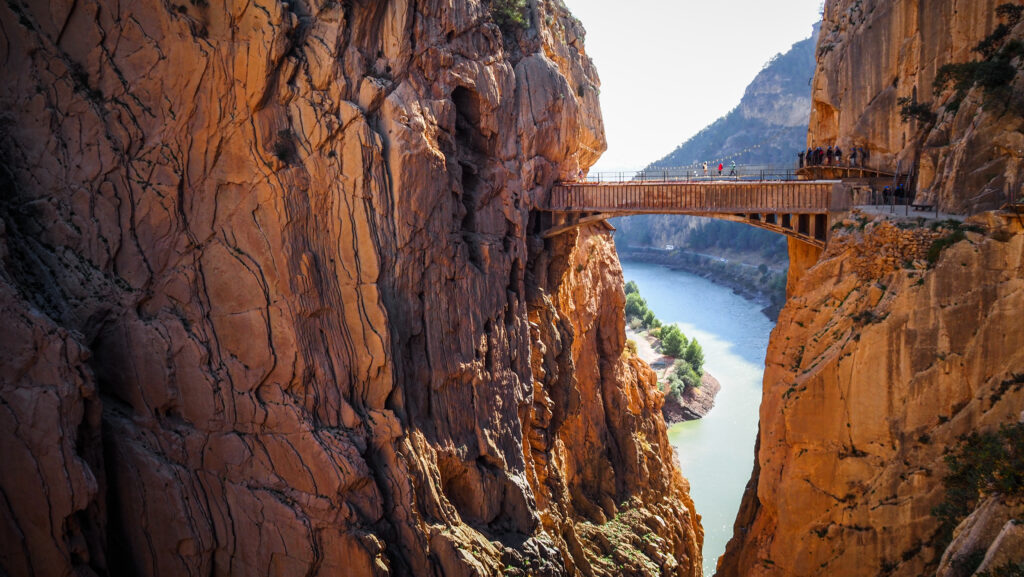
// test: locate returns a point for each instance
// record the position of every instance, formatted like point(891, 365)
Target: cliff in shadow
point(272, 303)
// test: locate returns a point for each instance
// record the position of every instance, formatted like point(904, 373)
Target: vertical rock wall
point(878, 365)
point(265, 272)
point(872, 53)
point(597, 443)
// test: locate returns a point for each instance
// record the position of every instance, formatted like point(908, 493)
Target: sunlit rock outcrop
point(879, 364)
point(877, 59)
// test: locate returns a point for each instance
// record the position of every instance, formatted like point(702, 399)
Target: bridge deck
point(704, 197)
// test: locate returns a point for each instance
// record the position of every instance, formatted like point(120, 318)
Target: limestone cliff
point(966, 148)
point(267, 297)
point(597, 449)
point(880, 362)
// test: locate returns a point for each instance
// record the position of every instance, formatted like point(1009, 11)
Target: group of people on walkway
point(831, 156)
point(721, 167)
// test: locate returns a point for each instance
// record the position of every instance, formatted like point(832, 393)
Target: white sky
point(670, 67)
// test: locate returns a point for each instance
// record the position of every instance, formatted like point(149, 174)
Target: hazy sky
point(670, 67)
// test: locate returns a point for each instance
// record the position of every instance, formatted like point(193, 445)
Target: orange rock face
point(267, 293)
point(878, 365)
point(597, 443)
point(873, 53)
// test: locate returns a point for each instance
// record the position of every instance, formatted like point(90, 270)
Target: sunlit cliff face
point(875, 87)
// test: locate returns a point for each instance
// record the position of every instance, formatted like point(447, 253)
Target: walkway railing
point(694, 174)
point(697, 197)
point(747, 172)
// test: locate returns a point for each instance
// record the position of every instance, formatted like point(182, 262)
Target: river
point(716, 453)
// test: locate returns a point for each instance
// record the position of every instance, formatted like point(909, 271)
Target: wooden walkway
point(797, 208)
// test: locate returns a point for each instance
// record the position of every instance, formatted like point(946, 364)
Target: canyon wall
point(879, 363)
point(273, 306)
point(966, 148)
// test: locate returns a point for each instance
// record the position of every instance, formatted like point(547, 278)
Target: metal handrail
point(697, 174)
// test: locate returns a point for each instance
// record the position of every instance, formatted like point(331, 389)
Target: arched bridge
point(801, 209)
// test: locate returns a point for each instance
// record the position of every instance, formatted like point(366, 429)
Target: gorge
point(276, 301)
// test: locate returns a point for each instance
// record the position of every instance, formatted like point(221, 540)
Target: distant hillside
point(767, 127)
point(770, 124)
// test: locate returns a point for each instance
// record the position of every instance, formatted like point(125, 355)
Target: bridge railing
point(697, 197)
point(693, 174)
point(754, 172)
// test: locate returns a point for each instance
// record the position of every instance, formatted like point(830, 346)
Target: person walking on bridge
point(705, 168)
point(853, 156)
point(800, 155)
point(828, 155)
point(809, 158)
point(720, 167)
point(732, 169)
point(839, 156)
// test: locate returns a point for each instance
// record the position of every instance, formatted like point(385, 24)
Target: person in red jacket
point(720, 167)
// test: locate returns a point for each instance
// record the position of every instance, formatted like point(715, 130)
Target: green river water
point(716, 453)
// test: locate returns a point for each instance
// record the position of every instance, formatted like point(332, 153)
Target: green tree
point(673, 341)
point(632, 288)
point(649, 319)
point(510, 13)
point(636, 306)
point(695, 356)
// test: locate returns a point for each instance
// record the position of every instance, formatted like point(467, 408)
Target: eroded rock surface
point(871, 53)
point(878, 365)
point(266, 305)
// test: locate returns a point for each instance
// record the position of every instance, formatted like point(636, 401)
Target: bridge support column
point(802, 256)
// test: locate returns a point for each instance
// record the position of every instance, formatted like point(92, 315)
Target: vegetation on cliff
point(994, 73)
point(982, 463)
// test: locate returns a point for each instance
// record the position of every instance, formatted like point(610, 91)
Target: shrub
point(682, 377)
point(982, 463)
point(510, 14)
point(1010, 12)
point(632, 288)
point(939, 245)
point(631, 347)
point(912, 109)
point(994, 72)
point(990, 44)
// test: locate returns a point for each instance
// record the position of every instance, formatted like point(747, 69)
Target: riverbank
point(694, 403)
point(765, 287)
